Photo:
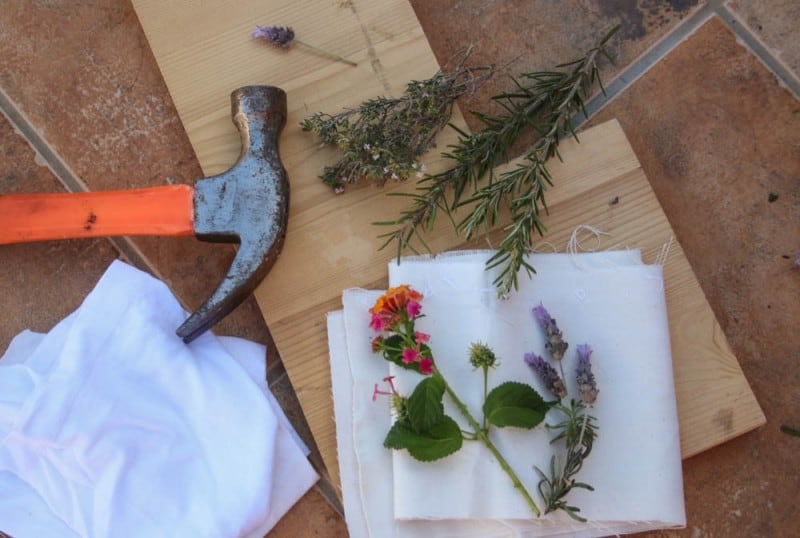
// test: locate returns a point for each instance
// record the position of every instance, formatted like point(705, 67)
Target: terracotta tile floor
point(707, 93)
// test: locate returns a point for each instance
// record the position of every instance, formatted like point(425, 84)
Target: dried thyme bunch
point(384, 137)
point(545, 101)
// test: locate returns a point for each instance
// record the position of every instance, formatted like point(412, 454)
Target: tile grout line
point(661, 49)
point(757, 47)
point(64, 174)
point(643, 63)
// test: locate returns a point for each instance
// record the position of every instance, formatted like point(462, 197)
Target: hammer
point(248, 204)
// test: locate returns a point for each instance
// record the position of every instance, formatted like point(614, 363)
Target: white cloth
point(611, 301)
point(111, 426)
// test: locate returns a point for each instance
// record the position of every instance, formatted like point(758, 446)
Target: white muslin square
point(613, 302)
point(111, 426)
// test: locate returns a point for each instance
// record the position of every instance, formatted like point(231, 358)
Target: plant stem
point(325, 52)
point(485, 391)
point(482, 434)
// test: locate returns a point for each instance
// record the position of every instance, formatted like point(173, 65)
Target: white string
point(574, 244)
point(661, 259)
point(537, 248)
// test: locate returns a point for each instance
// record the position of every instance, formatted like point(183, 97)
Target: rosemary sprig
point(544, 101)
point(384, 137)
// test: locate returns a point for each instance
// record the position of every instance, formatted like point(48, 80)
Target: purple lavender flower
point(275, 35)
point(547, 374)
point(587, 386)
point(542, 316)
point(280, 36)
point(555, 344)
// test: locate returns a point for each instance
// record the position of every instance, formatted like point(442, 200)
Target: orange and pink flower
point(397, 304)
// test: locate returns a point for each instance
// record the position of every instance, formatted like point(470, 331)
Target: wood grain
point(204, 52)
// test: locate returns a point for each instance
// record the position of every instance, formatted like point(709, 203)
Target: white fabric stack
point(610, 300)
point(111, 426)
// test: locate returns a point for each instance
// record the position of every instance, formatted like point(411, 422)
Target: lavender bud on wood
point(275, 35)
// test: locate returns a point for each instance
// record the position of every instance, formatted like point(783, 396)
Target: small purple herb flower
point(547, 374)
point(587, 386)
point(555, 344)
point(277, 36)
point(280, 36)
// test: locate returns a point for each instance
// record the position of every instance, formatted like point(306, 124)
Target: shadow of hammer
point(248, 204)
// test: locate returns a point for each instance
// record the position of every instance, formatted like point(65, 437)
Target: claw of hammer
point(248, 204)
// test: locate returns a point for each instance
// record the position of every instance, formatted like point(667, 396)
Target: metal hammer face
point(248, 204)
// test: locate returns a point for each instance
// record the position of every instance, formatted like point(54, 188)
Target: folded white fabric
point(610, 300)
point(111, 426)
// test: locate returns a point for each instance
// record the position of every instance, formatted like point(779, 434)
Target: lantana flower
point(398, 402)
point(410, 355)
point(397, 305)
point(426, 366)
point(394, 313)
point(421, 338)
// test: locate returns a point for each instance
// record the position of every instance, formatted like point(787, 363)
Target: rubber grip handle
point(167, 210)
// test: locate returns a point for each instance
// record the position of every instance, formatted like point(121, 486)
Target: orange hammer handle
point(165, 210)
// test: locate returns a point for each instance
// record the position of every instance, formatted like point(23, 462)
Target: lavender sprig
point(283, 37)
point(578, 429)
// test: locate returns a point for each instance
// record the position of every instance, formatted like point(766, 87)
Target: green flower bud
point(481, 356)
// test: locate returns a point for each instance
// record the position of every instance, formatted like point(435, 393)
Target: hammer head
point(248, 204)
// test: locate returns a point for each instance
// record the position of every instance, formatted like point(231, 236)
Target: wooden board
point(204, 52)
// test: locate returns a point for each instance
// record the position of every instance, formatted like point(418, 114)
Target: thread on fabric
point(574, 246)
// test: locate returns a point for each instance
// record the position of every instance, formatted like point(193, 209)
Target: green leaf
point(424, 406)
point(515, 404)
point(442, 439)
